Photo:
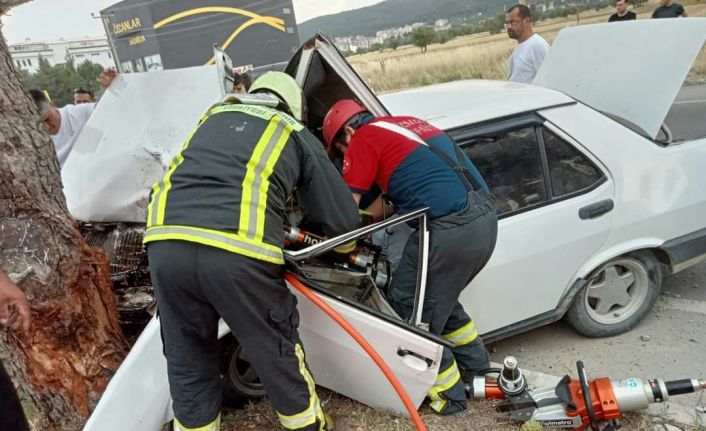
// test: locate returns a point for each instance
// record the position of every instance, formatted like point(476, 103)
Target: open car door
point(336, 361)
point(326, 77)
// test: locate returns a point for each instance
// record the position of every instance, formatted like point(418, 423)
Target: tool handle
point(683, 386)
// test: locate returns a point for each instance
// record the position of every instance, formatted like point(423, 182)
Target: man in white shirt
point(64, 124)
point(531, 49)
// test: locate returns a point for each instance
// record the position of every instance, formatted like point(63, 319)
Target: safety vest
point(228, 186)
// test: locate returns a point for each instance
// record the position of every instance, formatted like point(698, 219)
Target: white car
point(595, 203)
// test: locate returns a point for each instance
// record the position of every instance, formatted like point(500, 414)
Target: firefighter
point(417, 165)
point(214, 240)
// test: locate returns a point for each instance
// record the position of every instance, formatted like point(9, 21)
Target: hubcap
point(617, 291)
point(243, 374)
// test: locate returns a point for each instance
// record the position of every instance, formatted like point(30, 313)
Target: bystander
point(622, 13)
point(531, 48)
point(64, 124)
point(669, 9)
point(81, 95)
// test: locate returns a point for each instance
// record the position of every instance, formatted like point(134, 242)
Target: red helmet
point(338, 116)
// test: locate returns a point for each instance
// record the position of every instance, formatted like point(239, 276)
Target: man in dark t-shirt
point(669, 9)
point(622, 13)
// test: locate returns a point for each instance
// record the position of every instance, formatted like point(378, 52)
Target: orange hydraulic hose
point(364, 344)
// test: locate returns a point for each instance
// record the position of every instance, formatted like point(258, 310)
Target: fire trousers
point(460, 246)
point(195, 285)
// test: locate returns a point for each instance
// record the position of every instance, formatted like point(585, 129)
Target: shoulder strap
point(464, 174)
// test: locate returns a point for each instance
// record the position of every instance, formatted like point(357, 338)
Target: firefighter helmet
point(341, 112)
point(284, 87)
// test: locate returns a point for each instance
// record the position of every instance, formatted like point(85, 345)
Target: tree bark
point(63, 364)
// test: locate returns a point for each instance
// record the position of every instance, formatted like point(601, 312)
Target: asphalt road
point(669, 343)
point(676, 347)
point(686, 118)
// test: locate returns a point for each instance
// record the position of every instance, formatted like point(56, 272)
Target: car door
point(337, 362)
point(326, 77)
point(554, 201)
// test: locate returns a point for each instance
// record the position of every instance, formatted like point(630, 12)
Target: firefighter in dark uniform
point(417, 165)
point(215, 236)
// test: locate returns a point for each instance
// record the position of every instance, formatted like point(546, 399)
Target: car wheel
point(617, 296)
point(239, 380)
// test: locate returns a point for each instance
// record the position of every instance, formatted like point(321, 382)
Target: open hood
point(631, 70)
point(139, 125)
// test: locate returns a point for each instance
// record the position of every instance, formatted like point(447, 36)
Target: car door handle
point(596, 210)
point(401, 351)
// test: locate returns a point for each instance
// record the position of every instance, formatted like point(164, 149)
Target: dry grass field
point(481, 56)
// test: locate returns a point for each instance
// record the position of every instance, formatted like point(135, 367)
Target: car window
point(511, 164)
point(569, 170)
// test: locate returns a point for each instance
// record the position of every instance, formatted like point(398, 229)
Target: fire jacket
point(228, 186)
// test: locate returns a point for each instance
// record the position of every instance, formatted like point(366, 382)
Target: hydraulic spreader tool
point(574, 403)
point(366, 257)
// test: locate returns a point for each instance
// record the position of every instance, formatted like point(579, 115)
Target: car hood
point(631, 70)
point(141, 122)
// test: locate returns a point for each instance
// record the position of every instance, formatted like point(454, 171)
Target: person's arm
point(539, 53)
point(106, 77)
point(379, 209)
point(322, 192)
point(14, 308)
point(683, 13)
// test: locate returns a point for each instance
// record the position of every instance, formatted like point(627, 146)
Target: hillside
point(396, 13)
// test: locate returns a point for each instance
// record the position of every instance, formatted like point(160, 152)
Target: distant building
point(154, 35)
point(26, 54)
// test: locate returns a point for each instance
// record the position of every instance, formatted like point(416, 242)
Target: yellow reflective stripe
point(313, 412)
point(346, 248)
point(162, 187)
point(264, 180)
point(438, 405)
point(213, 426)
point(255, 166)
point(223, 240)
point(444, 381)
point(150, 207)
point(264, 112)
point(463, 335)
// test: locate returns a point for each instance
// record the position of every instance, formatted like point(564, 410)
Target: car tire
point(239, 381)
point(618, 295)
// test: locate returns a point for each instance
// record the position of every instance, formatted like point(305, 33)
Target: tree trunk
point(63, 364)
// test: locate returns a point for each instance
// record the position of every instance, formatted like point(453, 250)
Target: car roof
point(459, 103)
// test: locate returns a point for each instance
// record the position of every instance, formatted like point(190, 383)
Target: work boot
point(330, 424)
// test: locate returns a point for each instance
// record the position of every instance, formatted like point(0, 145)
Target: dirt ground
point(352, 416)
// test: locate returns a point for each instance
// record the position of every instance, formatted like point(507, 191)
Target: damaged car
point(595, 204)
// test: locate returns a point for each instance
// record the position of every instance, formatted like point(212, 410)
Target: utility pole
point(104, 20)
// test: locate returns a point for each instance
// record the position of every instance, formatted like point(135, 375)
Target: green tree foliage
point(422, 37)
point(61, 80)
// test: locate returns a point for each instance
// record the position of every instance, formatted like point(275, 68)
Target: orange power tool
point(575, 403)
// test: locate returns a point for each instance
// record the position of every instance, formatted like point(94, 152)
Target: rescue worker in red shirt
point(417, 165)
point(214, 240)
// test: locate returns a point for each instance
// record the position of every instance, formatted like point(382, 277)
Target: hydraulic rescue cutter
point(574, 403)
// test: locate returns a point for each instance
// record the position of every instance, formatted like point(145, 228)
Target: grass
point(480, 56)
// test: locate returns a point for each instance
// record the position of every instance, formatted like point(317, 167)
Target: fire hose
point(370, 350)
